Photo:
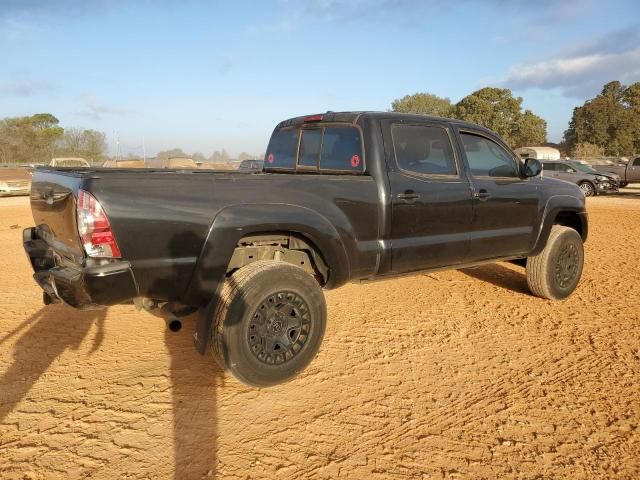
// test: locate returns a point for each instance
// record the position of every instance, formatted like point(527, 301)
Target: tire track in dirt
point(446, 375)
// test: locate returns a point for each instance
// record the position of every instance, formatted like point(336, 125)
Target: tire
point(623, 184)
point(555, 272)
point(269, 323)
point(587, 188)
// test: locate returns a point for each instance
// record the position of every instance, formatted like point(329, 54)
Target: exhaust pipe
point(173, 323)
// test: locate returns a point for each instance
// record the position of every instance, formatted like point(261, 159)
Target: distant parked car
point(14, 181)
point(628, 173)
point(583, 166)
point(70, 162)
point(251, 165)
point(590, 182)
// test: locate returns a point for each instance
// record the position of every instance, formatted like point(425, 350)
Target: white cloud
point(25, 86)
point(95, 109)
point(582, 74)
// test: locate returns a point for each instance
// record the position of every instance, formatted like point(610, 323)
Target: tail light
point(95, 231)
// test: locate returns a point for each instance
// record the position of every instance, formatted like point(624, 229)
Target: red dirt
point(459, 374)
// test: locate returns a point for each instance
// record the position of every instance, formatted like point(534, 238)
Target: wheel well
point(287, 247)
point(571, 220)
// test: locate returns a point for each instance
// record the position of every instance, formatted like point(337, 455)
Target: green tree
point(530, 130)
point(173, 153)
point(199, 157)
point(88, 144)
point(29, 139)
point(425, 104)
point(586, 150)
point(219, 156)
point(246, 156)
point(610, 120)
point(498, 110)
point(494, 108)
point(94, 145)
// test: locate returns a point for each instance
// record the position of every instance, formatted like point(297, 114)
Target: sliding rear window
point(330, 149)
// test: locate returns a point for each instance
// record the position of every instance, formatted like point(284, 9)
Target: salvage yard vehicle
point(75, 162)
point(628, 173)
point(14, 180)
point(343, 197)
point(590, 181)
point(251, 165)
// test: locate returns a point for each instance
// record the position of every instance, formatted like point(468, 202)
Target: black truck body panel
point(177, 229)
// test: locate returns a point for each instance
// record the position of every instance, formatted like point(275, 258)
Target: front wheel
point(587, 188)
point(623, 184)
point(555, 272)
point(269, 323)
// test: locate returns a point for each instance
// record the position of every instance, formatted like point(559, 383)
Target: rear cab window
point(327, 148)
point(310, 144)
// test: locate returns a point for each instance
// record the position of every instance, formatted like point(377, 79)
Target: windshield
point(582, 167)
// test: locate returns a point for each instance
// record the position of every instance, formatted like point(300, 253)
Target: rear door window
point(423, 149)
point(282, 149)
point(341, 149)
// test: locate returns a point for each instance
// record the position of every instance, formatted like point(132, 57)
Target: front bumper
point(81, 286)
point(607, 187)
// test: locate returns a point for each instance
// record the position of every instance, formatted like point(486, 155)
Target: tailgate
point(53, 203)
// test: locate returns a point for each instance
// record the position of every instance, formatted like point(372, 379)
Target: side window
point(636, 162)
point(341, 149)
point(282, 149)
point(549, 167)
point(423, 149)
point(310, 147)
point(486, 158)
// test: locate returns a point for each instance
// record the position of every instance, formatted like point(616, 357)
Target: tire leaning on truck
point(269, 323)
point(555, 272)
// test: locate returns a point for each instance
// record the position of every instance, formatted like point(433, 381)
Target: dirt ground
point(459, 374)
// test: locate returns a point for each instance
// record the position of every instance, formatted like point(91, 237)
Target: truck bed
point(161, 218)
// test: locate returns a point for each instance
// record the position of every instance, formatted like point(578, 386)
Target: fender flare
point(556, 205)
point(237, 221)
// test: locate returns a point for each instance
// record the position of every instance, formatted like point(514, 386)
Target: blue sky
point(209, 75)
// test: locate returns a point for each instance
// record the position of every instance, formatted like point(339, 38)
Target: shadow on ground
point(51, 331)
point(513, 279)
point(44, 337)
point(195, 381)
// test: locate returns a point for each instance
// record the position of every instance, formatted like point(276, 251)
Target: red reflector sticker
point(270, 158)
point(355, 161)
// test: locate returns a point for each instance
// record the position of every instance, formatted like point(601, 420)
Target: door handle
point(481, 195)
point(408, 196)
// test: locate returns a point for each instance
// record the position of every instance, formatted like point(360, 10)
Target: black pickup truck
point(343, 197)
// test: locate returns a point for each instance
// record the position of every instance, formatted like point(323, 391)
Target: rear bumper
point(81, 286)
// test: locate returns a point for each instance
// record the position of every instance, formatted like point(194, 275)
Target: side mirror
point(532, 168)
